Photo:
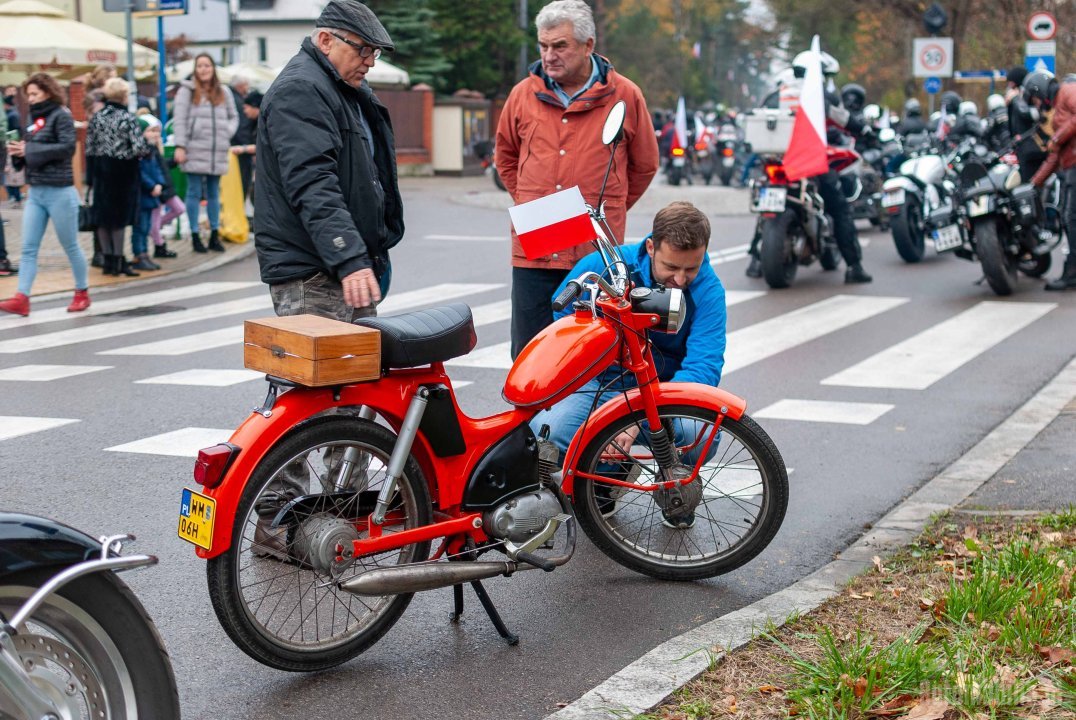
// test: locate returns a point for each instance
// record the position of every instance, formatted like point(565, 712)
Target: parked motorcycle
point(679, 165)
point(1009, 232)
point(923, 201)
point(317, 522)
point(705, 149)
point(793, 228)
point(486, 152)
point(727, 147)
point(74, 640)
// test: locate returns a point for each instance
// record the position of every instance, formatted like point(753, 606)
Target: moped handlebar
point(574, 287)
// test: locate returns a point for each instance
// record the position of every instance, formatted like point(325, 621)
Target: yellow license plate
point(196, 515)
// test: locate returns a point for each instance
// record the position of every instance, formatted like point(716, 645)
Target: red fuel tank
point(560, 360)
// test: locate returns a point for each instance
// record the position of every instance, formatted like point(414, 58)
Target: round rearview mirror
point(614, 122)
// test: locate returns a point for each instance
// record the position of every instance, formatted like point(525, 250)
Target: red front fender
point(704, 396)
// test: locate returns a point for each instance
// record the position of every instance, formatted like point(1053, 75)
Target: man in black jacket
point(328, 205)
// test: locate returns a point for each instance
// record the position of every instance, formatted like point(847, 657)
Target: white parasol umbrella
point(38, 37)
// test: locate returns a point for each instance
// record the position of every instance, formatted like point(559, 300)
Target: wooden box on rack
point(311, 350)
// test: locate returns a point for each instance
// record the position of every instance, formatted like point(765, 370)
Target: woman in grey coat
point(205, 120)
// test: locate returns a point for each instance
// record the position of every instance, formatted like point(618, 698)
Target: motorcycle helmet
point(968, 107)
point(830, 66)
point(912, 108)
point(1016, 75)
point(1041, 85)
point(853, 97)
point(872, 113)
point(950, 102)
point(995, 102)
point(799, 63)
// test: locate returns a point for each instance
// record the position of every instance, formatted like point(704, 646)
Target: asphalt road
point(935, 362)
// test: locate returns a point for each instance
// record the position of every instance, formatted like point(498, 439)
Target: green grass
point(1064, 520)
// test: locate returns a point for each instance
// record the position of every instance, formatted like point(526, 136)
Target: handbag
point(87, 222)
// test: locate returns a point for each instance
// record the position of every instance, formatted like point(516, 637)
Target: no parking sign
point(932, 57)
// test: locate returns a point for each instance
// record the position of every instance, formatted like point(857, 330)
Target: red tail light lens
point(678, 151)
point(213, 462)
point(700, 146)
point(727, 152)
point(776, 174)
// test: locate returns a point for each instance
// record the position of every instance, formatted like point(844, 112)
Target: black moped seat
point(424, 336)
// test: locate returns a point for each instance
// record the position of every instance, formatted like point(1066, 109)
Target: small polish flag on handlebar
point(552, 223)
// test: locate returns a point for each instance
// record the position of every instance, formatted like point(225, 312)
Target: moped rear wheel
point(276, 589)
point(738, 500)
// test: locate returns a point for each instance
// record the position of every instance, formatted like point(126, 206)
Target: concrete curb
point(648, 681)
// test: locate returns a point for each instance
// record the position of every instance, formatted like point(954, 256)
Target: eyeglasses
point(365, 51)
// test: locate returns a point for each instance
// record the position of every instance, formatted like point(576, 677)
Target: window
point(255, 4)
point(263, 50)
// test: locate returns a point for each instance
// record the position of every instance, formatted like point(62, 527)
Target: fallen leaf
point(855, 596)
point(1052, 537)
point(925, 603)
point(990, 631)
point(896, 591)
point(730, 702)
point(860, 687)
point(971, 531)
point(868, 594)
point(562, 704)
point(1054, 655)
point(929, 709)
point(896, 706)
point(878, 563)
point(769, 689)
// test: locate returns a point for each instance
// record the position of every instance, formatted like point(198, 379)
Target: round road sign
point(933, 57)
point(1042, 26)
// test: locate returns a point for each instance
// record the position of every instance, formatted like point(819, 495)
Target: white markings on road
point(847, 413)
point(204, 378)
point(737, 252)
point(45, 373)
point(497, 356)
point(178, 443)
point(127, 326)
point(105, 307)
point(923, 359)
point(469, 238)
point(770, 337)
point(735, 297)
point(492, 313)
point(13, 426)
point(234, 335)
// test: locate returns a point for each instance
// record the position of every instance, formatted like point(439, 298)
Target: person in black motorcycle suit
point(967, 125)
point(1028, 139)
point(840, 124)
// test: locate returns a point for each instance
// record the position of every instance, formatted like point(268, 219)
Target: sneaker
point(7, 269)
point(684, 522)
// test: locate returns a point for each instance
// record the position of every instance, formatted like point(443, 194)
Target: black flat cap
point(359, 19)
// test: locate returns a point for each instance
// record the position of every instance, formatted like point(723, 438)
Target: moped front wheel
point(276, 589)
point(725, 517)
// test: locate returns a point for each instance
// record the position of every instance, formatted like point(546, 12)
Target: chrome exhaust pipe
point(416, 578)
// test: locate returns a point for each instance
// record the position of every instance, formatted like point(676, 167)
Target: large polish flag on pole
point(553, 223)
point(806, 154)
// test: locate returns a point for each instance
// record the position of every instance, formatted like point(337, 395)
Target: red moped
point(330, 507)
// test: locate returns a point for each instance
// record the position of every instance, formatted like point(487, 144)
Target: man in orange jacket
point(1058, 104)
point(549, 139)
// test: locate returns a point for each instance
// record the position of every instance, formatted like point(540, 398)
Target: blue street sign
point(1035, 63)
point(932, 85)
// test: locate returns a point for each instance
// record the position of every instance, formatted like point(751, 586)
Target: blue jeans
point(565, 418)
point(211, 184)
point(140, 231)
point(60, 204)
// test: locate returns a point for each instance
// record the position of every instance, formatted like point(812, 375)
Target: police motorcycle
point(1010, 231)
point(74, 641)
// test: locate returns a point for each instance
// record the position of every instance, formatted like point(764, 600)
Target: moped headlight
point(668, 304)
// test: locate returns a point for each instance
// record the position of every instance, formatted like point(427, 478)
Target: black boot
point(196, 244)
point(162, 251)
point(142, 262)
point(856, 274)
point(126, 269)
point(109, 265)
point(1067, 281)
point(754, 267)
point(214, 242)
point(98, 259)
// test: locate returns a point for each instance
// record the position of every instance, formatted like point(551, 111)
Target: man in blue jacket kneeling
point(674, 255)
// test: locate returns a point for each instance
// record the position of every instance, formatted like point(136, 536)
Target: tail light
point(700, 146)
point(727, 152)
point(213, 462)
point(677, 152)
point(776, 174)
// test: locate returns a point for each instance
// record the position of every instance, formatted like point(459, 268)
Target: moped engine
point(521, 517)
